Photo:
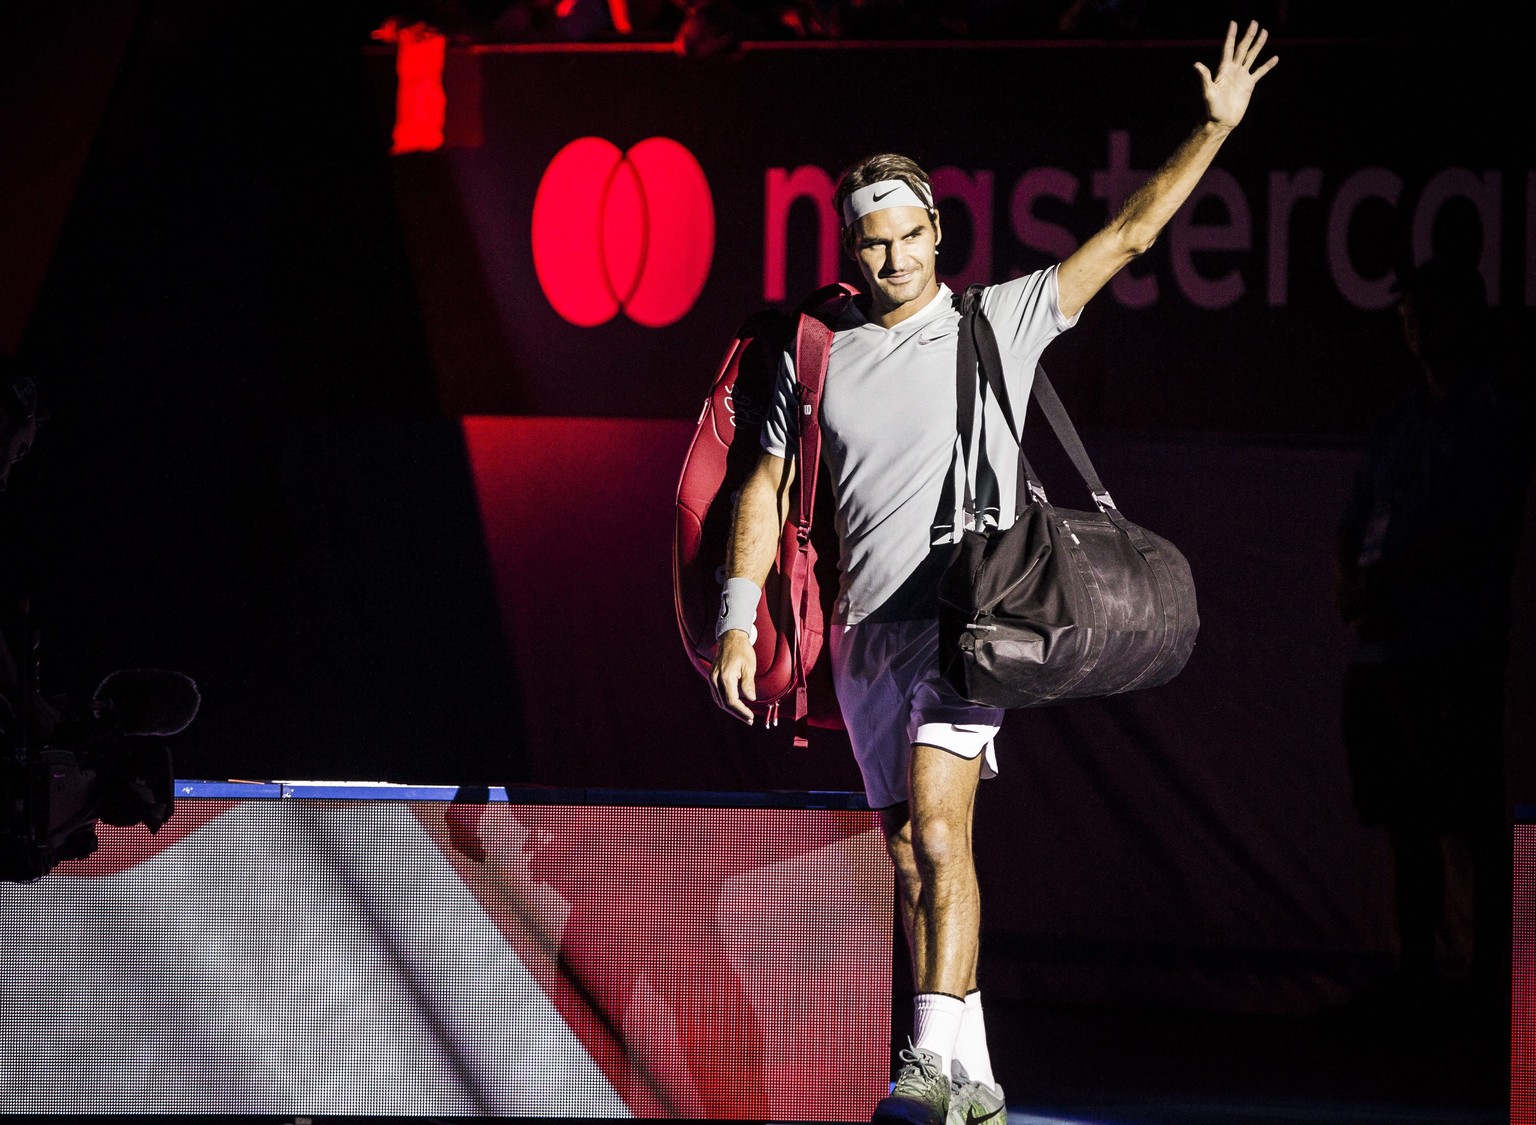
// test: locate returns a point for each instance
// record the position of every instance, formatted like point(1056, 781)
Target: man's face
point(895, 251)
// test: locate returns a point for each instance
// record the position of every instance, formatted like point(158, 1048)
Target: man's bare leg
point(929, 841)
point(930, 846)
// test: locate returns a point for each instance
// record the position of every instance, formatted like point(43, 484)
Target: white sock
point(936, 1024)
point(971, 1042)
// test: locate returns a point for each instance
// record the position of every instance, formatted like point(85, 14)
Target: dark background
point(255, 471)
point(226, 273)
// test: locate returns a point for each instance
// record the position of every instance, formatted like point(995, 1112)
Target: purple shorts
point(892, 697)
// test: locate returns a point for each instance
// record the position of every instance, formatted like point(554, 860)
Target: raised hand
point(1227, 94)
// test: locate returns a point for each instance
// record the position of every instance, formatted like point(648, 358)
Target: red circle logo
point(631, 231)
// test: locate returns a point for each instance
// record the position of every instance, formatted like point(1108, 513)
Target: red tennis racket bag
point(797, 598)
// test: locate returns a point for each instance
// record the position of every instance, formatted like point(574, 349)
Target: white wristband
point(738, 607)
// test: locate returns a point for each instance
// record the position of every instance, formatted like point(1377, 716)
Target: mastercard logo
point(630, 232)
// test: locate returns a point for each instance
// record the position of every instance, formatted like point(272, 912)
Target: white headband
point(877, 197)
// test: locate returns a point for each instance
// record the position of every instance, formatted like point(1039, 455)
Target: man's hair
point(882, 166)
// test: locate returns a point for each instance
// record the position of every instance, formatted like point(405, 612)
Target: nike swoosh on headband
point(879, 196)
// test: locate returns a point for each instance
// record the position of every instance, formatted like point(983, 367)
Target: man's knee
point(943, 794)
point(940, 841)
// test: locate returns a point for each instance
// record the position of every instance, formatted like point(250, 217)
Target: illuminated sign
point(623, 231)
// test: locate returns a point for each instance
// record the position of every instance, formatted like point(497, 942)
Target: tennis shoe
point(974, 1103)
point(920, 1094)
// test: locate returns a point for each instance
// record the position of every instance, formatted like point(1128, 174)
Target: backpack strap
point(812, 347)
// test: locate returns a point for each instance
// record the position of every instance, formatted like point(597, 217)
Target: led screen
point(380, 955)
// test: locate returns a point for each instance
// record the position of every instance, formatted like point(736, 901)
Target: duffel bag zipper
point(981, 571)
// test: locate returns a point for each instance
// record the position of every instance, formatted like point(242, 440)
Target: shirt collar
point(936, 307)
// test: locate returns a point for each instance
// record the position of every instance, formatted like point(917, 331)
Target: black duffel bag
point(1062, 604)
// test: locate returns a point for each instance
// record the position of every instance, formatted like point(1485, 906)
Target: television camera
point(103, 762)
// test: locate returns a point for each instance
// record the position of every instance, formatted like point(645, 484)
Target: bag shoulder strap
point(814, 323)
point(817, 316)
point(985, 349)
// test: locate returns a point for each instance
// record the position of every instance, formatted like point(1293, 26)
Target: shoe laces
point(918, 1072)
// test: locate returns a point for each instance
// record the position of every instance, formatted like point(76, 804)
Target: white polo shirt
point(889, 440)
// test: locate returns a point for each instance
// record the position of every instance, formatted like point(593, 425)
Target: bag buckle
point(1036, 491)
point(1104, 501)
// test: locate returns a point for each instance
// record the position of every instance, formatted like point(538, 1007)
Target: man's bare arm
point(761, 510)
point(1142, 217)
